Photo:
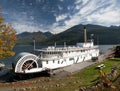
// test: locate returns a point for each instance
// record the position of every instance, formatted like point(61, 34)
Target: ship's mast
point(55, 44)
point(85, 35)
point(34, 44)
point(64, 44)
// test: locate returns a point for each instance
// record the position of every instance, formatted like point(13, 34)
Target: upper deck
point(50, 53)
point(78, 47)
point(64, 49)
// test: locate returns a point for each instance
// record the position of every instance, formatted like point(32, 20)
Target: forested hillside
point(102, 35)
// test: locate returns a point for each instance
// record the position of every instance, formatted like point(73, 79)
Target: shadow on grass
point(115, 59)
point(95, 80)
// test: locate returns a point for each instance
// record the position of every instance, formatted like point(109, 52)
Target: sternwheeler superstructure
point(55, 57)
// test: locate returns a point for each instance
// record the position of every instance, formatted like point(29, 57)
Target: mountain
point(48, 34)
point(102, 35)
point(27, 37)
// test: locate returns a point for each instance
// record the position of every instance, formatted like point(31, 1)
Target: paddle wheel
point(26, 63)
point(29, 65)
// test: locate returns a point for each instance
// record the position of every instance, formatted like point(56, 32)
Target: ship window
point(71, 59)
point(46, 62)
point(53, 61)
point(62, 62)
point(58, 62)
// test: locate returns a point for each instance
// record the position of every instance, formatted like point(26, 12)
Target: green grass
point(90, 74)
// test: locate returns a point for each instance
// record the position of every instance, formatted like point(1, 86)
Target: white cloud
point(101, 12)
point(106, 18)
point(61, 17)
point(73, 21)
point(55, 28)
point(27, 26)
point(85, 2)
point(88, 8)
point(61, 0)
point(24, 27)
point(78, 1)
point(60, 8)
point(68, 7)
point(78, 7)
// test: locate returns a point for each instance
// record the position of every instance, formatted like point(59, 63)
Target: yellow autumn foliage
point(7, 39)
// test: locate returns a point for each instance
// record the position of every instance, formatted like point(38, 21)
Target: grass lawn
point(89, 75)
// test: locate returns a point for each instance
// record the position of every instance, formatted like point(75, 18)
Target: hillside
point(102, 35)
point(27, 37)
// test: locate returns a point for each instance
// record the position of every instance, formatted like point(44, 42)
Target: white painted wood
point(56, 57)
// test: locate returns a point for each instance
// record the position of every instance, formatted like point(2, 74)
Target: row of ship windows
point(65, 52)
point(71, 59)
point(51, 52)
point(53, 62)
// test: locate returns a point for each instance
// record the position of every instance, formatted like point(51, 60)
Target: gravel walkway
point(62, 72)
point(76, 67)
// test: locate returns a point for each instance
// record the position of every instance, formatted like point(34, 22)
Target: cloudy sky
point(58, 15)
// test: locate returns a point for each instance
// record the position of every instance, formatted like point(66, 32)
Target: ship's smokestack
point(85, 35)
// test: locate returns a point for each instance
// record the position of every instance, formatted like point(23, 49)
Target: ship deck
point(64, 49)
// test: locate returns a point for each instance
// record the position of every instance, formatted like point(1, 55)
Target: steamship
point(55, 57)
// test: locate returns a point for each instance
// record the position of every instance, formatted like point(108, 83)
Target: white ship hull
point(53, 58)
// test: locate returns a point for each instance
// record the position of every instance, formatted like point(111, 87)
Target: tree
point(7, 39)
